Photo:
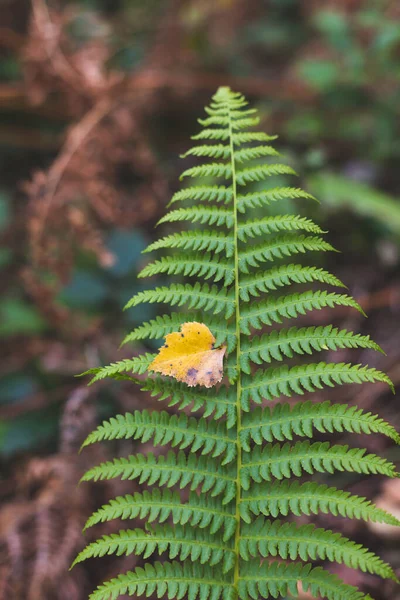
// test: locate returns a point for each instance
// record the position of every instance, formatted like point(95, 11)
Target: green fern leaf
point(177, 541)
point(182, 432)
point(170, 579)
point(254, 284)
point(280, 247)
point(210, 507)
point(285, 497)
point(286, 381)
point(279, 579)
point(285, 343)
point(169, 470)
point(262, 227)
point(283, 462)
point(264, 198)
point(288, 540)
point(196, 240)
point(198, 265)
point(206, 193)
point(275, 310)
point(137, 365)
point(262, 172)
point(212, 215)
point(198, 296)
point(161, 505)
point(179, 395)
point(284, 421)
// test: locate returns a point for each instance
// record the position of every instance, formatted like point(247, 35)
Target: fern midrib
point(236, 576)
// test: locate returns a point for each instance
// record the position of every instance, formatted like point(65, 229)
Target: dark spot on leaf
point(182, 335)
point(209, 373)
point(192, 372)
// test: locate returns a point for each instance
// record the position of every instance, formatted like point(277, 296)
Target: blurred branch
point(11, 39)
point(75, 139)
point(13, 97)
point(50, 32)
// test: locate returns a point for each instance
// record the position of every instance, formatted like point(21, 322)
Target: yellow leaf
point(189, 356)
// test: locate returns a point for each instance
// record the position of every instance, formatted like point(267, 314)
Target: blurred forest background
point(97, 100)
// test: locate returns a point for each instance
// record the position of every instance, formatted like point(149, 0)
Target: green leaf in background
point(5, 257)
point(335, 28)
point(4, 210)
point(28, 431)
point(127, 248)
point(340, 191)
point(14, 388)
point(18, 317)
point(86, 289)
point(319, 73)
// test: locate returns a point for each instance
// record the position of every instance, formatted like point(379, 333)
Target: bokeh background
point(97, 100)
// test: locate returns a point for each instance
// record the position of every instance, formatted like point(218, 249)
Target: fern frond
point(197, 296)
point(251, 136)
point(264, 198)
point(284, 421)
point(275, 310)
point(279, 247)
point(221, 405)
point(214, 109)
point(247, 154)
point(278, 579)
point(206, 193)
point(282, 462)
point(169, 470)
point(275, 382)
point(179, 542)
point(179, 431)
point(284, 343)
point(212, 215)
point(199, 265)
point(214, 151)
point(212, 134)
point(288, 540)
point(267, 281)
point(212, 503)
point(172, 579)
point(214, 241)
point(210, 170)
point(225, 119)
point(161, 505)
point(137, 365)
point(262, 172)
point(286, 497)
point(261, 227)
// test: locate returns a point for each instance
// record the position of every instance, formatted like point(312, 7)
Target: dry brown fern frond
point(105, 173)
point(43, 511)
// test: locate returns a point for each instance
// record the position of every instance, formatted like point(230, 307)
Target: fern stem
point(238, 380)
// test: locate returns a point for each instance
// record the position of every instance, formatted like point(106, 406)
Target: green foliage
point(239, 462)
point(343, 191)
